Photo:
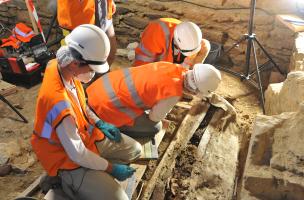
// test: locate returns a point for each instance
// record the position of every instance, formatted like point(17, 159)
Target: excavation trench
point(206, 166)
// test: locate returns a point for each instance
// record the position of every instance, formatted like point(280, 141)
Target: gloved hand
point(109, 130)
point(121, 172)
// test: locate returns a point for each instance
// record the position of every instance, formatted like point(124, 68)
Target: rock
point(17, 170)
point(3, 159)
point(18, 106)
point(132, 45)
point(276, 157)
point(157, 6)
point(287, 96)
point(24, 163)
point(122, 52)
point(153, 16)
point(131, 55)
point(9, 150)
point(136, 22)
point(5, 170)
point(297, 59)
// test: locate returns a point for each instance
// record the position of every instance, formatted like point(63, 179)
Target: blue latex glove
point(122, 172)
point(109, 130)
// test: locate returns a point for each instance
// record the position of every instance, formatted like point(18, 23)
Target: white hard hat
point(188, 38)
point(206, 78)
point(92, 44)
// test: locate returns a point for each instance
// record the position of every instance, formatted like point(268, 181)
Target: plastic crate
point(28, 79)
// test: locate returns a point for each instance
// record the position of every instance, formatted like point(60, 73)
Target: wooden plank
point(183, 104)
point(202, 146)
point(7, 88)
point(150, 146)
point(186, 130)
point(293, 22)
point(33, 187)
point(131, 184)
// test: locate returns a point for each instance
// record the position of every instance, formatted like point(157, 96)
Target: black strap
point(97, 22)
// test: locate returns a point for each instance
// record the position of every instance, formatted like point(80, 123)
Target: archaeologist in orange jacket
point(68, 139)
point(121, 97)
point(168, 39)
point(72, 13)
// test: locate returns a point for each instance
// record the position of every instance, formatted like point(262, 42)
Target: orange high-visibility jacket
point(122, 95)
point(156, 42)
point(54, 103)
point(21, 33)
point(72, 13)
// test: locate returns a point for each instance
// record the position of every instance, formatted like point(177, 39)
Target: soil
point(25, 169)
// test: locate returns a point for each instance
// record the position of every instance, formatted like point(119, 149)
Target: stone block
point(287, 96)
point(122, 10)
point(153, 16)
point(136, 22)
point(3, 8)
point(275, 158)
point(5, 170)
point(157, 6)
point(19, 3)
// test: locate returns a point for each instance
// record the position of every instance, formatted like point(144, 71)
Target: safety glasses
point(82, 61)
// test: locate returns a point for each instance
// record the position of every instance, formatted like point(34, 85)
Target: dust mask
point(85, 77)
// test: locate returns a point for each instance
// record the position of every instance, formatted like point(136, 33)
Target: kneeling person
point(68, 139)
point(121, 97)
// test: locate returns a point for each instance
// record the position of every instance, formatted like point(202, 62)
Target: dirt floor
point(15, 135)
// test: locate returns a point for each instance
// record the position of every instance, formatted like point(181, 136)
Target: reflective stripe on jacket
point(72, 13)
point(21, 33)
point(54, 103)
point(156, 42)
point(120, 96)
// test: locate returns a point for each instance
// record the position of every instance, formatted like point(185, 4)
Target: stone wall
point(223, 24)
point(15, 11)
point(222, 21)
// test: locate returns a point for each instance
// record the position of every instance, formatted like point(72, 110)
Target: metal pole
point(12, 107)
point(251, 19)
point(250, 36)
point(269, 57)
point(258, 77)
